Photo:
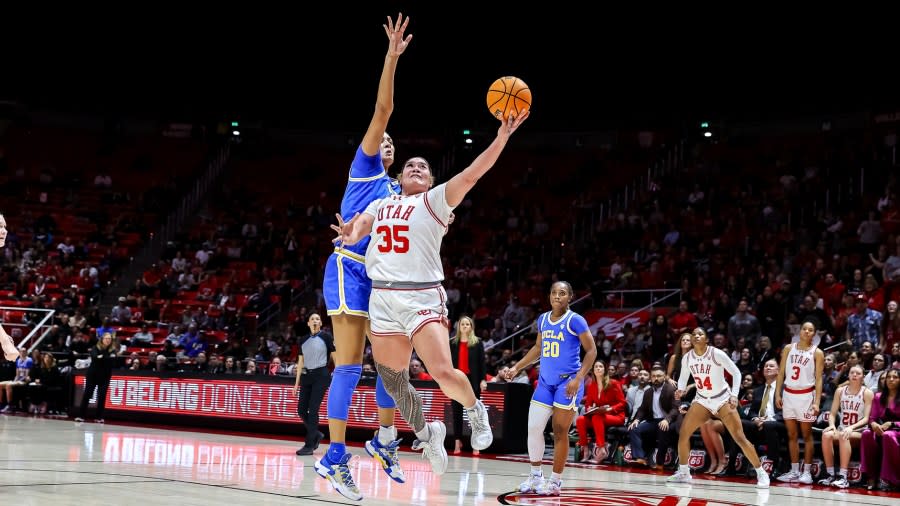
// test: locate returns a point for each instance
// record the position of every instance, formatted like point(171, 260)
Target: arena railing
point(41, 329)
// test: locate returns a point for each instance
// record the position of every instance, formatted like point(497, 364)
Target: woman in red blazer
point(604, 405)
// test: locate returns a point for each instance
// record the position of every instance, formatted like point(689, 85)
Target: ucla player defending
point(561, 335)
point(346, 289)
point(707, 365)
point(6, 342)
point(801, 375)
point(408, 307)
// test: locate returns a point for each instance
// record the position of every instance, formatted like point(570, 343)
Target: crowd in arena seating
point(743, 228)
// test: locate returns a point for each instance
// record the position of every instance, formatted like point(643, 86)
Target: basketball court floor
point(48, 461)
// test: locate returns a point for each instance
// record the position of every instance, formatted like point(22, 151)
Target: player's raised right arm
point(384, 104)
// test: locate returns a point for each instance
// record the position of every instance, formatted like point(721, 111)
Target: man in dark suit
point(763, 422)
point(654, 418)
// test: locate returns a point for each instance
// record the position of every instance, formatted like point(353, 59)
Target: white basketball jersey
point(800, 369)
point(708, 371)
point(406, 237)
point(852, 405)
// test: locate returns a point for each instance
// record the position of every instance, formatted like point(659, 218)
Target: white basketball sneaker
point(433, 449)
point(482, 437)
point(532, 484)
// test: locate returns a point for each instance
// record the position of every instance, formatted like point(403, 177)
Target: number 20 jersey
point(560, 345)
point(406, 237)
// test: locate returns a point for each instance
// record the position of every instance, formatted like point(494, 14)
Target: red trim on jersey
point(386, 334)
point(431, 211)
point(406, 289)
point(440, 319)
point(798, 391)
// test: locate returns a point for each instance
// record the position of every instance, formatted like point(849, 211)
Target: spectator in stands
point(79, 344)
point(258, 301)
point(865, 325)
point(251, 367)
point(850, 412)
point(275, 367)
point(811, 309)
point(604, 406)
point(891, 324)
point(513, 315)
point(772, 314)
point(467, 355)
point(634, 395)
point(764, 352)
point(673, 370)
point(159, 362)
point(106, 328)
point(200, 364)
point(652, 421)
point(745, 362)
point(743, 324)
point(880, 446)
point(133, 363)
point(121, 313)
point(869, 232)
point(98, 375)
point(142, 337)
point(844, 375)
point(417, 372)
point(683, 320)
point(77, 321)
point(236, 349)
point(763, 422)
point(46, 385)
point(231, 366)
point(873, 377)
point(660, 337)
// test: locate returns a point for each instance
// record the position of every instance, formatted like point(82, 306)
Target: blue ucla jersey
point(368, 182)
point(560, 345)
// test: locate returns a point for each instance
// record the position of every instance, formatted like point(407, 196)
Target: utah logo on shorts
point(424, 312)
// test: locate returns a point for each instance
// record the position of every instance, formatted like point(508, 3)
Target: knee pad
point(343, 383)
point(382, 397)
point(538, 415)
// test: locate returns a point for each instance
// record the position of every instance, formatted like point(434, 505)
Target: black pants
point(648, 431)
point(102, 385)
point(772, 433)
point(458, 413)
point(313, 384)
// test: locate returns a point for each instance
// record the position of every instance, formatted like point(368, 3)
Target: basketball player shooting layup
point(408, 304)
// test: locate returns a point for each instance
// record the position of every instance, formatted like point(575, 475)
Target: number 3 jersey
point(406, 237)
point(560, 345)
point(800, 369)
point(708, 371)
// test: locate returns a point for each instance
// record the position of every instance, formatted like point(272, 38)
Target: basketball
point(508, 95)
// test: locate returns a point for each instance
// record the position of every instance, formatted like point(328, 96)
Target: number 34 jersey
point(560, 345)
point(708, 371)
point(406, 237)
